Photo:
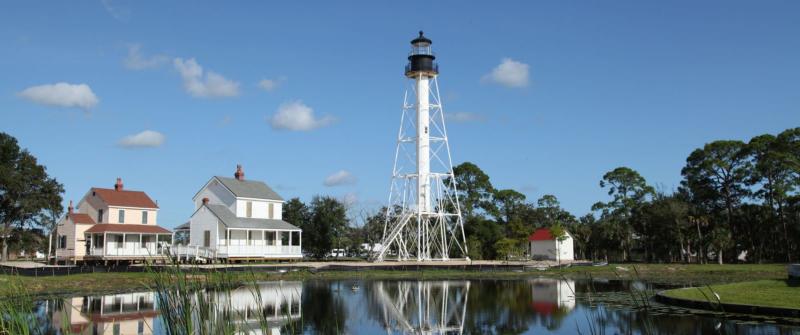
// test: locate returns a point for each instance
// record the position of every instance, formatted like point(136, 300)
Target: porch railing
point(192, 251)
point(260, 250)
point(129, 249)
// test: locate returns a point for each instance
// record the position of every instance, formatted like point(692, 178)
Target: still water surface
point(518, 306)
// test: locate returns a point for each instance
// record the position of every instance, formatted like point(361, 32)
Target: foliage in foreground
point(194, 302)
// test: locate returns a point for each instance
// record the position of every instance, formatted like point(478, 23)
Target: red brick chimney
point(205, 201)
point(70, 208)
point(118, 185)
point(239, 175)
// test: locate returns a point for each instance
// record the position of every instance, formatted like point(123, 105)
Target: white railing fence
point(192, 251)
point(260, 250)
point(116, 249)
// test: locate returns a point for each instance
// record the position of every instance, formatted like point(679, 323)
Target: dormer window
point(249, 209)
point(100, 216)
point(121, 216)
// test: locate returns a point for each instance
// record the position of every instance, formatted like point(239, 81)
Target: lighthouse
point(423, 217)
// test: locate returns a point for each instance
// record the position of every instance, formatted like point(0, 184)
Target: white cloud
point(137, 61)
point(145, 139)
point(509, 73)
point(209, 86)
point(463, 117)
point(121, 14)
point(298, 117)
point(270, 85)
point(339, 178)
point(61, 95)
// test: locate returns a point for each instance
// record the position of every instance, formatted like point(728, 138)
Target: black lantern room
point(421, 58)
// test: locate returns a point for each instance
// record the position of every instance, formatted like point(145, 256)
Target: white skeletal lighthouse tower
point(423, 218)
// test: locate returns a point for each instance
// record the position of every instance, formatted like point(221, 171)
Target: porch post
point(140, 241)
point(105, 243)
point(124, 241)
point(301, 244)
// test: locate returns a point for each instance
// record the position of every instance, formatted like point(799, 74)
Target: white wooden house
point(111, 225)
point(236, 218)
point(543, 245)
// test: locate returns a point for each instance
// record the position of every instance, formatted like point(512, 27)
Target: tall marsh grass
point(196, 302)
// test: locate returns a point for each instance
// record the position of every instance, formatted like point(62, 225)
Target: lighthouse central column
point(423, 144)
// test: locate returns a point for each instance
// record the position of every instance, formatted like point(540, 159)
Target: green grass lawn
point(688, 274)
point(771, 293)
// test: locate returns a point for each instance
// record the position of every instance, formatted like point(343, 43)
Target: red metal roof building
point(543, 245)
point(112, 224)
point(541, 234)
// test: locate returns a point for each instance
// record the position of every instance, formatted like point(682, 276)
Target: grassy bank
point(770, 293)
point(665, 273)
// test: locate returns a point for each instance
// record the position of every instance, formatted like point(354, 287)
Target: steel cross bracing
point(423, 307)
point(423, 218)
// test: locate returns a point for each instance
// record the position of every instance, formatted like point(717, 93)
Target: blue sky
point(590, 86)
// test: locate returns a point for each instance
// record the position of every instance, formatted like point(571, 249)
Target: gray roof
point(230, 220)
point(249, 188)
point(183, 226)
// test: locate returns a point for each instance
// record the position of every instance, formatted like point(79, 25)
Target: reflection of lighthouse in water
point(550, 296)
point(422, 307)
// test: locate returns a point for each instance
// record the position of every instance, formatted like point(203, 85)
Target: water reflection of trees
point(443, 307)
point(512, 306)
point(324, 310)
point(406, 306)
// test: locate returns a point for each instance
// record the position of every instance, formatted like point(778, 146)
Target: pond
point(514, 306)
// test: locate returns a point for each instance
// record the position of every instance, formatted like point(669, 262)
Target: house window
point(271, 211)
point(207, 238)
point(269, 237)
point(121, 216)
point(144, 217)
point(62, 241)
point(98, 241)
point(249, 209)
point(100, 216)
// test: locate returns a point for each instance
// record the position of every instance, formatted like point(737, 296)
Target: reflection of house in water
point(552, 295)
point(127, 313)
point(278, 302)
point(421, 307)
point(136, 313)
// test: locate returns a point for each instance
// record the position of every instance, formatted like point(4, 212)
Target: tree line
point(737, 201)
